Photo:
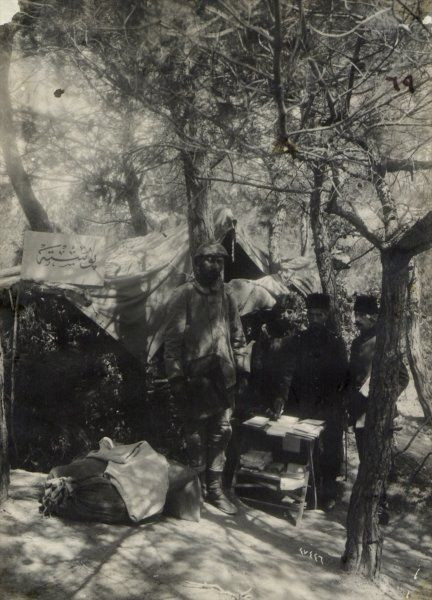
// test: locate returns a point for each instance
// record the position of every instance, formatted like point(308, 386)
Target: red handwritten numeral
point(407, 81)
point(395, 82)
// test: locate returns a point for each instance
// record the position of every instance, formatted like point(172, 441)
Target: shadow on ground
point(252, 555)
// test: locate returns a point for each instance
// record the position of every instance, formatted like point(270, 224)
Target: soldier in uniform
point(204, 347)
point(360, 367)
point(317, 390)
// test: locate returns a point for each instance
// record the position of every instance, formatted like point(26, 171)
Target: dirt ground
point(252, 555)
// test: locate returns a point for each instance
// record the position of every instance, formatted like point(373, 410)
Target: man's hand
point(178, 390)
point(278, 406)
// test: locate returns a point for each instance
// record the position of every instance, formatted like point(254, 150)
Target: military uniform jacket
point(360, 367)
point(361, 356)
point(320, 373)
point(204, 334)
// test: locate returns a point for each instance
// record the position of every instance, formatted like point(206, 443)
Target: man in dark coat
point(360, 365)
point(273, 358)
point(317, 390)
point(204, 347)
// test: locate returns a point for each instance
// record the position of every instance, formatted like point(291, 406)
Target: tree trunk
point(138, 218)
point(414, 344)
point(33, 210)
point(200, 210)
point(4, 437)
point(322, 252)
point(363, 548)
point(388, 204)
point(275, 232)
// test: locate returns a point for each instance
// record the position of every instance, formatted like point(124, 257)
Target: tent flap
point(142, 272)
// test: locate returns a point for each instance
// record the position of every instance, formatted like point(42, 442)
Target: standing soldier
point(360, 367)
point(204, 346)
point(317, 390)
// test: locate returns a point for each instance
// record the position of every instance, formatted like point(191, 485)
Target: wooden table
point(266, 488)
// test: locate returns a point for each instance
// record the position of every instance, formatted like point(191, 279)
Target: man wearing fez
point(317, 390)
point(204, 347)
point(360, 366)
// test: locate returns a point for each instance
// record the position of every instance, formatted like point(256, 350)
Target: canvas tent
point(141, 273)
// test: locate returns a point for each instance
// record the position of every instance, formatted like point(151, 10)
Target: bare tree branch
point(416, 239)
point(259, 186)
point(353, 70)
point(335, 208)
point(346, 33)
point(393, 165)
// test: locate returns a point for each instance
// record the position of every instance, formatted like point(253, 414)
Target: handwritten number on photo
point(314, 555)
point(407, 81)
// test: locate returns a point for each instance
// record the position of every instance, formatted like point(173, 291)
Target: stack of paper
point(287, 420)
point(294, 477)
point(313, 422)
point(278, 429)
point(295, 471)
point(257, 421)
point(291, 483)
point(256, 459)
point(281, 426)
point(306, 429)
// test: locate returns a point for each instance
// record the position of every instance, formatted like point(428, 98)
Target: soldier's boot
point(216, 495)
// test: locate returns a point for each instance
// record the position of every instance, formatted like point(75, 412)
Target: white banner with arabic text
point(63, 258)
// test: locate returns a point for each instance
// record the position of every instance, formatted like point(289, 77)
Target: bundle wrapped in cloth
point(122, 484)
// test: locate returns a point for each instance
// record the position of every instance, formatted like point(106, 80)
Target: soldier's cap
point(366, 305)
point(211, 249)
point(318, 301)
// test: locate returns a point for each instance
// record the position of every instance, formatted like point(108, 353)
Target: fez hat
point(321, 301)
point(366, 305)
point(211, 249)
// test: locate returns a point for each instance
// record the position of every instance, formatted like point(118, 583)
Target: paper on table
point(287, 420)
point(314, 422)
point(290, 483)
point(306, 429)
point(275, 429)
point(256, 459)
point(295, 470)
point(257, 421)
